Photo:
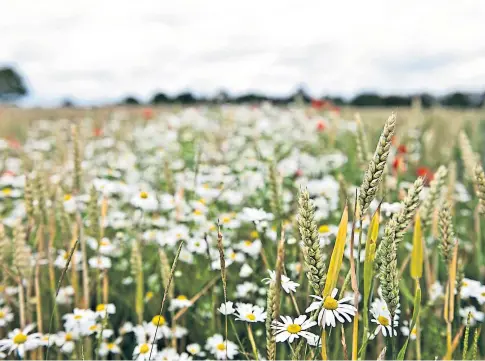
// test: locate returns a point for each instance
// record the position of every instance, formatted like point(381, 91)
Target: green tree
point(12, 86)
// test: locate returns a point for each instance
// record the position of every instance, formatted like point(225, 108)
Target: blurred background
point(374, 53)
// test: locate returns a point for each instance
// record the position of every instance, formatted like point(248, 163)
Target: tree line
point(13, 88)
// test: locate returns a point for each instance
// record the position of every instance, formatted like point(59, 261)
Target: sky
point(95, 51)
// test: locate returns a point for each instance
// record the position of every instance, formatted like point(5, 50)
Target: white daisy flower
point(476, 316)
point(382, 317)
point(145, 201)
point(245, 271)
point(110, 347)
point(195, 350)
point(468, 287)
point(405, 330)
point(179, 302)
point(287, 284)
point(226, 308)
point(142, 351)
point(290, 329)
point(21, 341)
point(6, 316)
point(332, 310)
point(105, 308)
point(250, 313)
point(66, 341)
point(219, 347)
point(480, 294)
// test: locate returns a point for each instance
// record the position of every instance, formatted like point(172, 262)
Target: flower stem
point(251, 340)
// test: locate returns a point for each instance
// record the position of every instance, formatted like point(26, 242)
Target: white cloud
point(107, 49)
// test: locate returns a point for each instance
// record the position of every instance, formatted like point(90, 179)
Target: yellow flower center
point(198, 212)
point(158, 320)
point(248, 243)
point(2, 288)
point(149, 295)
point(226, 220)
point(78, 317)
point(323, 228)
point(7, 191)
point(197, 244)
point(254, 234)
point(221, 347)
point(19, 338)
point(414, 331)
point(68, 336)
point(383, 320)
point(2, 314)
point(67, 197)
point(202, 200)
point(143, 195)
point(250, 317)
point(144, 348)
point(232, 256)
point(182, 298)
point(110, 346)
point(330, 303)
point(66, 255)
point(104, 242)
point(178, 235)
point(205, 185)
point(483, 294)
point(293, 328)
point(93, 327)
point(100, 307)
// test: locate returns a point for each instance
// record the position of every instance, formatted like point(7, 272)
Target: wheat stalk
point(433, 197)
point(376, 167)
point(314, 263)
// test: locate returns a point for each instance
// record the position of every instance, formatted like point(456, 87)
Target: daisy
point(110, 347)
point(250, 313)
point(127, 327)
point(252, 248)
point(468, 287)
point(245, 271)
point(65, 295)
point(145, 201)
point(219, 347)
point(405, 330)
point(479, 295)
point(6, 316)
point(475, 315)
point(21, 340)
point(79, 321)
point(287, 284)
point(195, 350)
point(290, 329)
point(151, 328)
point(197, 245)
point(332, 309)
point(142, 351)
point(100, 262)
point(382, 317)
point(66, 341)
point(436, 291)
point(179, 302)
point(167, 354)
point(105, 308)
point(226, 308)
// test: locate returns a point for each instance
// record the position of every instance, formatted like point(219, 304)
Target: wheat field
point(242, 232)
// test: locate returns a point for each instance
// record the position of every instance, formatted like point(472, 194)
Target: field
point(242, 232)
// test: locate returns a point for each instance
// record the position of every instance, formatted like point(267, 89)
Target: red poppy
point(426, 173)
point(318, 104)
point(398, 164)
point(336, 109)
point(402, 149)
point(9, 173)
point(13, 143)
point(97, 132)
point(147, 113)
point(320, 126)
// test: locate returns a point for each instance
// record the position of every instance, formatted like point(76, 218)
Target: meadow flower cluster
point(237, 232)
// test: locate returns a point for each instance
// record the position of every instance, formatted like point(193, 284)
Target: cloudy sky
point(97, 50)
